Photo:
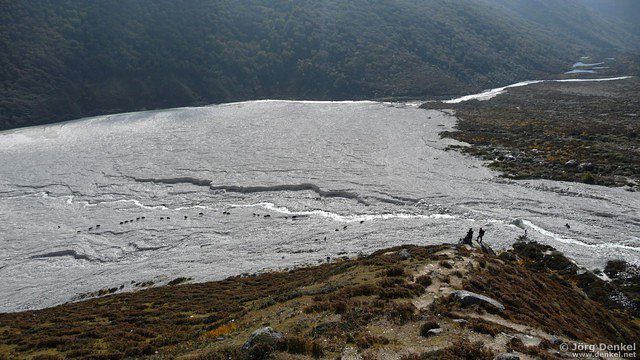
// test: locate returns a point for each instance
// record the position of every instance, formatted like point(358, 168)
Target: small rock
point(349, 353)
point(434, 332)
point(528, 340)
point(470, 298)
point(555, 340)
point(404, 254)
point(460, 321)
point(507, 356)
point(571, 163)
point(586, 166)
point(265, 332)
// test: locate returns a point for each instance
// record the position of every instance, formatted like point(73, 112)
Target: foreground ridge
point(408, 302)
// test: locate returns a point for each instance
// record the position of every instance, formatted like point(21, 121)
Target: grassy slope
point(543, 126)
point(377, 306)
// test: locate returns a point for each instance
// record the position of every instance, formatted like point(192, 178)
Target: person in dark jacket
point(468, 239)
point(480, 235)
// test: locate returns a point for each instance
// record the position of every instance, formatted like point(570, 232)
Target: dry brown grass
point(319, 309)
point(536, 297)
point(459, 350)
point(545, 125)
point(166, 318)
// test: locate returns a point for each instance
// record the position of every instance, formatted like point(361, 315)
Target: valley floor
point(117, 203)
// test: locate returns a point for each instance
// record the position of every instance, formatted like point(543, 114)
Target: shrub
point(390, 281)
point(317, 307)
point(488, 328)
point(262, 347)
point(46, 357)
point(424, 280)
point(467, 350)
point(294, 345)
point(358, 290)
point(366, 340)
point(401, 313)
point(300, 345)
point(588, 178)
point(221, 330)
point(396, 292)
point(395, 271)
point(615, 267)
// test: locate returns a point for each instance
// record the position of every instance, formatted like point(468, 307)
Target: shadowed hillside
point(68, 59)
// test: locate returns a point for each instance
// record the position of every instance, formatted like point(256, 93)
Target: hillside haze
point(62, 60)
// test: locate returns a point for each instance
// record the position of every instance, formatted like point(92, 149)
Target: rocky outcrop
point(468, 298)
point(507, 356)
point(265, 333)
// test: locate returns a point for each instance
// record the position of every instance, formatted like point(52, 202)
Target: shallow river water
point(222, 190)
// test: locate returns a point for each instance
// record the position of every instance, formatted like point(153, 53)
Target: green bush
point(588, 178)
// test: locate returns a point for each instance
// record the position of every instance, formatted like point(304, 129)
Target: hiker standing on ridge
point(468, 239)
point(480, 235)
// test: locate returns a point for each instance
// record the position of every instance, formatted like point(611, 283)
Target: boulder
point(433, 332)
point(519, 223)
point(264, 333)
point(404, 254)
point(507, 356)
point(586, 166)
point(469, 298)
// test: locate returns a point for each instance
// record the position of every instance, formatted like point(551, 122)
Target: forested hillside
point(64, 59)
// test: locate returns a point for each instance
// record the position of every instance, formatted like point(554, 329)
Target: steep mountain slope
point(625, 11)
point(68, 59)
point(587, 24)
